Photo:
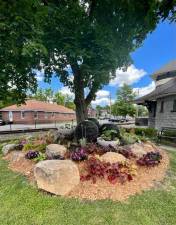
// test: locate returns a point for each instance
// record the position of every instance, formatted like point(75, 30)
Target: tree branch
point(91, 95)
point(91, 7)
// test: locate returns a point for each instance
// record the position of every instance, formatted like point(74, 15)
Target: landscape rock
point(54, 151)
point(104, 143)
point(113, 157)
point(138, 149)
point(66, 134)
point(16, 156)
point(8, 148)
point(55, 135)
point(57, 176)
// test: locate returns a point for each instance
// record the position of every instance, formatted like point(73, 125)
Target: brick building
point(161, 102)
point(36, 111)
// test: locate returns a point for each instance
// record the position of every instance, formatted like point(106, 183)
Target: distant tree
point(64, 99)
point(124, 105)
point(59, 98)
point(99, 108)
point(69, 102)
point(141, 110)
point(46, 95)
point(9, 101)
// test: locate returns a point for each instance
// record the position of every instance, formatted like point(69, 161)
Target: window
point(162, 107)
point(35, 115)
point(174, 106)
point(22, 115)
point(53, 114)
point(46, 115)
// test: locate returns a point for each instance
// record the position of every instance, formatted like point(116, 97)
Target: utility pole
point(137, 111)
point(110, 104)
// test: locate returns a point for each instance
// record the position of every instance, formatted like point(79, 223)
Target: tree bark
point(81, 106)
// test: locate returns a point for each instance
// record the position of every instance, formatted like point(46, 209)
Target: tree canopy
point(124, 104)
point(48, 95)
point(81, 42)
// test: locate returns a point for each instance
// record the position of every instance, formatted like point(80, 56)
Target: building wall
point(43, 117)
point(167, 118)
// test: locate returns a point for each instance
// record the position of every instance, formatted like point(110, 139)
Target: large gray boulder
point(54, 151)
point(57, 176)
point(8, 148)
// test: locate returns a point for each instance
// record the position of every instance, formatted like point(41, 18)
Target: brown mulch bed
point(22, 165)
point(144, 180)
point(102, 189)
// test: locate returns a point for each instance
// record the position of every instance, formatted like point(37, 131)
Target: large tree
point(81, 42)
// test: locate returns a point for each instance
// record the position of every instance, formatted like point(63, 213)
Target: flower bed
point(105, 172)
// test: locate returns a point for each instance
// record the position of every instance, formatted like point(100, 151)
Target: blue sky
point(158, 49)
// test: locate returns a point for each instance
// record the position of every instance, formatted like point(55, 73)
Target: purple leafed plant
point(79, 154)
point(150, 159)
point(32, 154)
point(127, 153)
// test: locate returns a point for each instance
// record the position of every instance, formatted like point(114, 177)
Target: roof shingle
point(166, 89)
point(34, 105)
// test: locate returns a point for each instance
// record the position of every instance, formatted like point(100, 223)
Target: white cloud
point(102, 98)
point(130, 76)
point(66, 91)
point(102, 101)
point(39, 75)
point(144, 90)
point(102, 94)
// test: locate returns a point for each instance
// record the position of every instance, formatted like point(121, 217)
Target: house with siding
point(161, 102)
point(36, 111)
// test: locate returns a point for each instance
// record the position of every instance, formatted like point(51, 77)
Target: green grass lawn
point(22, 204)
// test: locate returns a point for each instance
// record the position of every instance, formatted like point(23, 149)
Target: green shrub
point(148, 132)
point(127, 138)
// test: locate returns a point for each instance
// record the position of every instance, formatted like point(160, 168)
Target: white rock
point(57, 176)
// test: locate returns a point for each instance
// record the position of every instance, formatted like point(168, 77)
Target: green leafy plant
point(128, 138)
point(34, 146)
point(83, 142)
point(28, 147)
point(40, 157)
point(110, 135)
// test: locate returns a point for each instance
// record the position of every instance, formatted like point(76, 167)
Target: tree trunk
point(81, 109)
point(81, 106)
